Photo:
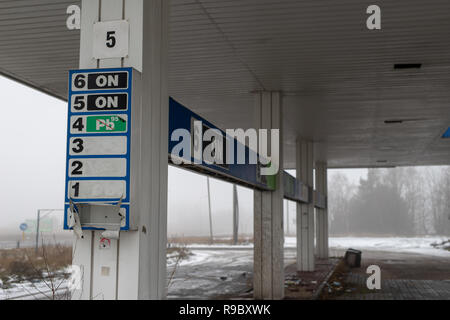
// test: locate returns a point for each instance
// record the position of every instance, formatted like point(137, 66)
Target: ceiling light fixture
point(393, 121)
point(400, 121)
point(400, 66)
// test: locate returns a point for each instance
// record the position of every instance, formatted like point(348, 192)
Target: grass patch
point(180, 252)
point(23, 264)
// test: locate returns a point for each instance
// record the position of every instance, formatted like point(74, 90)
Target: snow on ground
point(211, 268)
point(210, 273)
point(220, 246)
point(421, 245)
point(219, 269)
point(32, 290)
point(211, 256)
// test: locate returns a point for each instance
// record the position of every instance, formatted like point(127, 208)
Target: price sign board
point(98, 138)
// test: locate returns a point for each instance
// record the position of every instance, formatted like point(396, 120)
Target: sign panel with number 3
point(111, 39)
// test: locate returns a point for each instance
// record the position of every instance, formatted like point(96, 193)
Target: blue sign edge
point(126, 201)
point(180, 118)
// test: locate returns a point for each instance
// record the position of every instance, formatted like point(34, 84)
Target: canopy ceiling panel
point(339, 85)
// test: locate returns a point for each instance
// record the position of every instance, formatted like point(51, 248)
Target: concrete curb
point(317, 293)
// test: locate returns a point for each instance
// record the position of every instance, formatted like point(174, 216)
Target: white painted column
point(135, 266)
point(305, 212)
point(322, 214)
point(268, 277)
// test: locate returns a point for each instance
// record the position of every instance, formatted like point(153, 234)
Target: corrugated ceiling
point(337, 77)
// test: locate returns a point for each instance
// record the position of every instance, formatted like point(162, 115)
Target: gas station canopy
point(367, 98)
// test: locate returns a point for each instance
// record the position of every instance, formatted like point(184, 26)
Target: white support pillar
point(305, 212)
point(135, 265)
point(235, 215)
point(268, 277)
point(322, 214)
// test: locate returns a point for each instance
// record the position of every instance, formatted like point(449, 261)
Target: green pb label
point(106, 124)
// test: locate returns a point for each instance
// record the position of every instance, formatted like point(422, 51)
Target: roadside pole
point(37, 230)
point(235, 215)
point(211, 236)
point(287, 218)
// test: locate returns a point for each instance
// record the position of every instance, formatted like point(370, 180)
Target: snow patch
point(420, 245)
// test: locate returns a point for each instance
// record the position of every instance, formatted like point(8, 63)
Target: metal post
point(305, 211)
point(287, 217)
point(37, 230)
point(235, 215)
point(211, 237)
point(322, 214)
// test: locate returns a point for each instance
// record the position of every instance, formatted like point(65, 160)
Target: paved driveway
point(404, 276)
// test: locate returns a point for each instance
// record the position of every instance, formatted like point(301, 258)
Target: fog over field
point(401, 201)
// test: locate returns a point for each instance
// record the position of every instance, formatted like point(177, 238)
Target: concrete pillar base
point(322, 214)
point(305, 212)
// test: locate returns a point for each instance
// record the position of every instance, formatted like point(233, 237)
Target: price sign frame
point(75, 135)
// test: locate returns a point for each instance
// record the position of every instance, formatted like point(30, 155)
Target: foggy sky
point(33, 151)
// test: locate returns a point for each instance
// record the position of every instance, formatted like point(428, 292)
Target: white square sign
point(111, 39)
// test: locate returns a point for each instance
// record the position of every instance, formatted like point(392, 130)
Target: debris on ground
point(444, 245)
point(175, 254)
point(335, 285)
point(305, 284)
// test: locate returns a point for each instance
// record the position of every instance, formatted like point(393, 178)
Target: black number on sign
point(80, 81)
point(77, 170)
point(76, 188)
point(110, 39)
point(78, 124)
point(79, 103)
point(79, 145)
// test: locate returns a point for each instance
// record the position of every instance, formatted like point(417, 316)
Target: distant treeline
point(404, 201)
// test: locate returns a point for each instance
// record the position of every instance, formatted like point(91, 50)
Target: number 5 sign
point(111, 39)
